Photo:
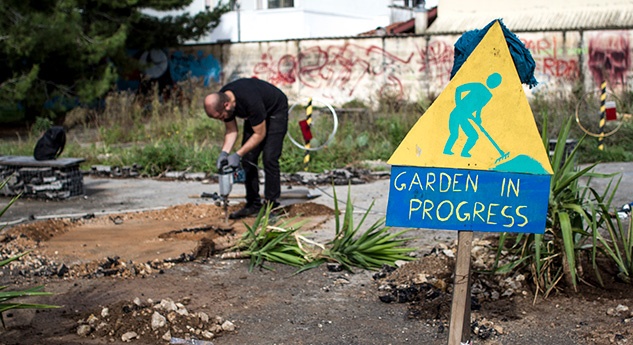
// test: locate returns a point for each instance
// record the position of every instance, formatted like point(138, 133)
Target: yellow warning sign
point(481, 121)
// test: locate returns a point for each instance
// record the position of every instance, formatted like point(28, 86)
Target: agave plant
point(375, 247)
point(11, 202)
point(371, 249)
point(274, 241)
point(268, 239)
point(7, 298)
point(572, 222)
point(610, 236)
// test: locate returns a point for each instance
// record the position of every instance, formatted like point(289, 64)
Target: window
point(280, 3)
point(410, 3)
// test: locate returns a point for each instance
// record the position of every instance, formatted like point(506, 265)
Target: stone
point(127, 336)
point(204, 317)
point(84, 330)
point(92, 319)
point(158, 321)
point(228, 326)
point(168, 305)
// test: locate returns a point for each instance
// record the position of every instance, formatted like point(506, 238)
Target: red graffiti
point(337, 67)
point(280, 73)
point(540, 46)
point(609, 58)
point(438, 56)
point(560, 68)
point(393, 86)
point(552, 60)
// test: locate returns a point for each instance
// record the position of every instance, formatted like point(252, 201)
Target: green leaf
point(570, 250)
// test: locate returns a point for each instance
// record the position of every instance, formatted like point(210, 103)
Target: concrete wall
point(341, 70)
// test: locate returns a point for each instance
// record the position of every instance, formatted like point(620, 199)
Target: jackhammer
point(225, 180)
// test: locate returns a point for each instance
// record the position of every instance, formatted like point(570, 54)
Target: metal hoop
point(604, 135)
point(330, 137)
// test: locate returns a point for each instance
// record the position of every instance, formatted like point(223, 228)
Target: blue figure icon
point(470, 98)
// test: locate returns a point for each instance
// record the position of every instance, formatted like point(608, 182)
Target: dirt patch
point(147, 277)
point(149, 235)
point(504, 305)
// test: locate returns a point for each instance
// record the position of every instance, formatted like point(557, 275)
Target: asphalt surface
point(106, 196)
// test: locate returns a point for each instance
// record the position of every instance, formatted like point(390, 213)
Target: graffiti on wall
point(332, 67)
point(437, 62)
point(349, 70)
point(184, 66)
point(345, 68)
point(555, 63)
point(167, 69)
point(281, 71)
point(402, 67)
point(609, 58)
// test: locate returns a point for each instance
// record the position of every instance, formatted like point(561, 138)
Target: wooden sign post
point(474, 161)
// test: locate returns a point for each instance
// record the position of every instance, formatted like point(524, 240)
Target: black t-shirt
point(256, 100)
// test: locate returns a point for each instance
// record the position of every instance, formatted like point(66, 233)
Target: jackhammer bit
point(225, 181)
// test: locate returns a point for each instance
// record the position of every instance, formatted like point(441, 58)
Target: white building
point(270, 20)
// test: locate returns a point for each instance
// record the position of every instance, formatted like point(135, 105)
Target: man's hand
point(234, 160)
point(222, 160)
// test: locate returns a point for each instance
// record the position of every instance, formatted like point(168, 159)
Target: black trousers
point(270, 150)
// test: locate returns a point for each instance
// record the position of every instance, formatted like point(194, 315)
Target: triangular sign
point(481, 121)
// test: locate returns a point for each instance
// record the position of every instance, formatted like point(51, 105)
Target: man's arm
point(477, 116)
point(259, 133)
point(460, 90)
point(230, 135)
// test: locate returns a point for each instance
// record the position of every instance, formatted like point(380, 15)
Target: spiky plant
point(369, 249)
point(7, 298)
point(270, 239)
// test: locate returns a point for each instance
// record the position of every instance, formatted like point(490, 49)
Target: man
point(264, 109)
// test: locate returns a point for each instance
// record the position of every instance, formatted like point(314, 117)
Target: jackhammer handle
point(227, 169)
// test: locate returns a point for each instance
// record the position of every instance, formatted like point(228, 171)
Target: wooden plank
point(459, 328)
point(29, 161)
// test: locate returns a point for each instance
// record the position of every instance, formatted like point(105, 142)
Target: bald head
point(216, 105)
